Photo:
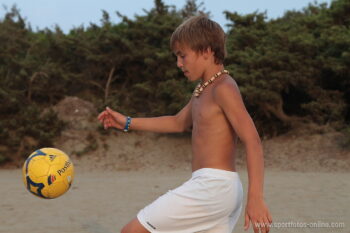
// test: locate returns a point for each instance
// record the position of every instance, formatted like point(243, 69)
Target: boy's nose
point(179, 63)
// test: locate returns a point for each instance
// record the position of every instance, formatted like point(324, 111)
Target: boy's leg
point(134, 226)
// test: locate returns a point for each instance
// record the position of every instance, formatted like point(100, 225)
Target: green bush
point(290, 70)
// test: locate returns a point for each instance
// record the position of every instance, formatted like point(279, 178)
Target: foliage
point(290, 70)
point(295, 68)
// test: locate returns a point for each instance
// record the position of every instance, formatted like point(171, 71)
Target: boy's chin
point(195, 80)
point(192, 79)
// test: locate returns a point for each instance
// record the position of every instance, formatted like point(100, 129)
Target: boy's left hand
point(257, 212)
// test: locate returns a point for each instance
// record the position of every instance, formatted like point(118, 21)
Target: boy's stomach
point(213, 155)
point(213, 147)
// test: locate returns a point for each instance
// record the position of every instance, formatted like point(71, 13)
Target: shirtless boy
point(211, 200)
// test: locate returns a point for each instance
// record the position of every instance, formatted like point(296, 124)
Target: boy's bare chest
point(204, 109)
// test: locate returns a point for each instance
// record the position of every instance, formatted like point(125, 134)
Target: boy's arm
point(180, 122)
point(228, 97)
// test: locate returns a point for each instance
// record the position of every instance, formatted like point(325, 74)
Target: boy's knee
point(134, 227)
point(128, 229)
point(125, 229)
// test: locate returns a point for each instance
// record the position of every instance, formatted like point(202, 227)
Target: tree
point(281, 66)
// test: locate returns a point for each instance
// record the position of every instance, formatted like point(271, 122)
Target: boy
point(211, 200)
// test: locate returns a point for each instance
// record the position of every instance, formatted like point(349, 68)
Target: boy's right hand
point(110, 118)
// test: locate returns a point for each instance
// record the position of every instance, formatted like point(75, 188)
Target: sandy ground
point(103, 201)
point(307, 179)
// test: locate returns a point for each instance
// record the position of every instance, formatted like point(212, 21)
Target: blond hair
point(200, 33)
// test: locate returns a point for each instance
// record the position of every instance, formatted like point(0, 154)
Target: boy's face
point(190, 62)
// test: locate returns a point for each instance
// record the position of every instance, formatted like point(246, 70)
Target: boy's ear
point(207, 53)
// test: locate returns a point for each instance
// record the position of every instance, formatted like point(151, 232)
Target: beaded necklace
point(200, 87)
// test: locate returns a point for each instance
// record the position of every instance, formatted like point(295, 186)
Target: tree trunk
point(30, 84)
point(277, 111)
point(109, 81)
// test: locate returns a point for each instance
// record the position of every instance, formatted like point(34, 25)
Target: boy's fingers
point(110, 111)
point(255, 228)
point(246, 222)
point(102, 119)
point(102, 115)
point(269, 218)
point(108, 123)
point(267, 225)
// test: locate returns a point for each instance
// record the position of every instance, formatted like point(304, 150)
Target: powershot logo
point(65, 167)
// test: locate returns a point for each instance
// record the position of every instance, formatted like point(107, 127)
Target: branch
point(109, 81)
point(30, 84)
point(277, 111)
point(96, 84)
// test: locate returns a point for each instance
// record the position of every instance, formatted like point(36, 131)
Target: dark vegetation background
point(292, 71)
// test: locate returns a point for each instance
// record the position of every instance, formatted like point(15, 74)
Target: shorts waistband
point(215, 172)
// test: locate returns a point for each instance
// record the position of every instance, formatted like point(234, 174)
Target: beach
point(307, 181)
point(103, 201)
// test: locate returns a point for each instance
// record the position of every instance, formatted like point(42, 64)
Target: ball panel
point(31, 157)
point(36, 188)
point(57, 189)
point(38, 168)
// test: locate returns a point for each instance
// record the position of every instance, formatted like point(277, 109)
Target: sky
point(74, 13)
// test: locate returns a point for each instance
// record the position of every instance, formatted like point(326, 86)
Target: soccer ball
point(48, 173)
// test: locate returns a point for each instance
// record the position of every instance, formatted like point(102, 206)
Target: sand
point(307, 179)
point(103, 201)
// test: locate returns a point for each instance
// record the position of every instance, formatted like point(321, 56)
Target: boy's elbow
point(252, 142)
point(180, 126)
point(185, 129)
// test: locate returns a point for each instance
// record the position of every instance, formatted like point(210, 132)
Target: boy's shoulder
point(225, 86)
point(225, 92)
point(226, 95)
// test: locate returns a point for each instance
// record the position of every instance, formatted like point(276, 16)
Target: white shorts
point(211, 201)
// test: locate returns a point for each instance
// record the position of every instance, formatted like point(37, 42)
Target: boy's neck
point(209, 73)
